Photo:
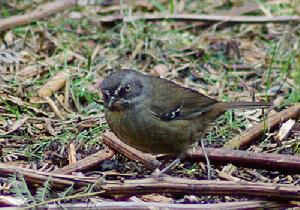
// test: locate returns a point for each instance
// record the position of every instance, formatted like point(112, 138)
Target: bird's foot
point(158, 174)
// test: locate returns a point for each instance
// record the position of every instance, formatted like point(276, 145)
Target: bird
point(158, 116)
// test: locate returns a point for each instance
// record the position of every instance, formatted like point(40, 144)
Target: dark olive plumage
point(158, 116)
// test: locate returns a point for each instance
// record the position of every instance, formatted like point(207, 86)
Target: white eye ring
point(127, 88)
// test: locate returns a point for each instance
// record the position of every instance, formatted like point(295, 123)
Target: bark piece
point(87, 163)
point(272, 161)
point(113, 142)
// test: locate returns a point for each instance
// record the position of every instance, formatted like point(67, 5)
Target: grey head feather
point(128, 86)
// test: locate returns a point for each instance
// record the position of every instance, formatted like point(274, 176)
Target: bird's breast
point(144, 131)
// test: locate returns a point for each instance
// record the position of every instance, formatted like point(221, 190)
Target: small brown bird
point(158, 116)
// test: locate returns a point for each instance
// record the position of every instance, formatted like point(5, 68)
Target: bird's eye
point(127, 88)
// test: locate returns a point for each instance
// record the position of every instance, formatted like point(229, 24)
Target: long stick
point(87, 163)
point(256, 131)
point(271, 161)
point(113, 142)
point(253, 204)
point(164, 185)
point(201, 187)
point(206, 18)
point(41, 12)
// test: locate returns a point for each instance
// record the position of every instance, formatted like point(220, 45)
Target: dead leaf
point(39, 68)
point(54, 84)
point(39, 126)
point(30, 71)
point(285, 130)
point(160, 70)
point(11, 201)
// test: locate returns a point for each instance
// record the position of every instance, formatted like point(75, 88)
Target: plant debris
point(53, 57)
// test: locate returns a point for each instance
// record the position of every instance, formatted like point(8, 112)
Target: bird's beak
point(111, 101)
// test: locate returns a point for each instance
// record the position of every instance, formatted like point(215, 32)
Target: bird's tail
point(246, 105)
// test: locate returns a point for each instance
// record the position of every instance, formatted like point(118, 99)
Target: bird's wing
point(174, 102)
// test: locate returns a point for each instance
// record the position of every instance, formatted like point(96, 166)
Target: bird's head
point(122, 89)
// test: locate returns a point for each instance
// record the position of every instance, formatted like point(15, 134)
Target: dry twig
point(58, 181)
point(253, 204)
point(207, 18)
point(249, 159)
point(113, 142)
point(216, 155)
point(201, 187)
point(164, 185)
point(86, 163)
point(255, 132)
point(39, 13)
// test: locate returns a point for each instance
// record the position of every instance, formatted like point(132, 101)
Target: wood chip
point(72, 153)
point(285, 130)
point(156, 198)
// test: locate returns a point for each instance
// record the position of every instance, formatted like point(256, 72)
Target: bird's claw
point(158, 174)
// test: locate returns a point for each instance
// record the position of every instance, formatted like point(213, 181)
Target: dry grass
point(225, 61)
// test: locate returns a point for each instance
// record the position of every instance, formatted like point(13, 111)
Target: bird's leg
point(207, 160)
point(168, 168)
point(171, 166)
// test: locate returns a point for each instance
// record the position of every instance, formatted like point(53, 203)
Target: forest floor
point(51, 109)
